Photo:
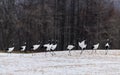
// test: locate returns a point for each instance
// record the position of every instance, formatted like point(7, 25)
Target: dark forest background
point(67, 21)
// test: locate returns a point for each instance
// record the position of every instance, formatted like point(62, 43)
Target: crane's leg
point(32, 53)
point(7, 54)
point(10, 53)
point(46, 53)
point(53, 53)
point(106, 51)
point(20, 54)
point(92, 51)
point(87, 51)
point(95, 51)
point(82, 51)
point(50, 51)
point(69, 53)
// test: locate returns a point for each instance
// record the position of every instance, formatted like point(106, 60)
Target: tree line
point(67, 21)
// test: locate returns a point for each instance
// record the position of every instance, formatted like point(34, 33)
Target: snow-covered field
point(61, 63)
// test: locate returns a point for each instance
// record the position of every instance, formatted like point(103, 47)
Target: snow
point(61, 63)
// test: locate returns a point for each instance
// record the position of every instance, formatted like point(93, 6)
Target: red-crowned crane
point(22, 48)
point(48, 47)
point(10, 49)
point(53, 46)
point(70, 47)
point(82, 45)
point(95, 47)
point(36, 46)
point(107, 46)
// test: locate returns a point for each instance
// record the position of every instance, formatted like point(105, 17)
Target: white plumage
point(70, 47)
point(95, 46)
point(82, 44)
point(107, 47)
point(35, 47)
point(10, 49)
point(45, 45)
point(23, 48)
point(107, 44)
point(48, 46)
point(53, 47)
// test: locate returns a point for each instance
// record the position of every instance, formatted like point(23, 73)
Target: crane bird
point(36, 46)
point(48, 47)
point(53, 47)
point(70, 47)
point(9, 50)
point(95, 47)
point(22, 48)
point(82, 45)
point(107, 46)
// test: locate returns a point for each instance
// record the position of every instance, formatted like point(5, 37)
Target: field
point(61, 64)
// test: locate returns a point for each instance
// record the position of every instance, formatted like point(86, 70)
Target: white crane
point(48, 47)
point(36, 46)
point(82, 45)
point(22, 48)
point(53, 47)
point(95, 47)
point(70, 47)
point(107, 46)
point(9, 50)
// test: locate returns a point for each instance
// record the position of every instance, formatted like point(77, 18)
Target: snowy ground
point(61, 63)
